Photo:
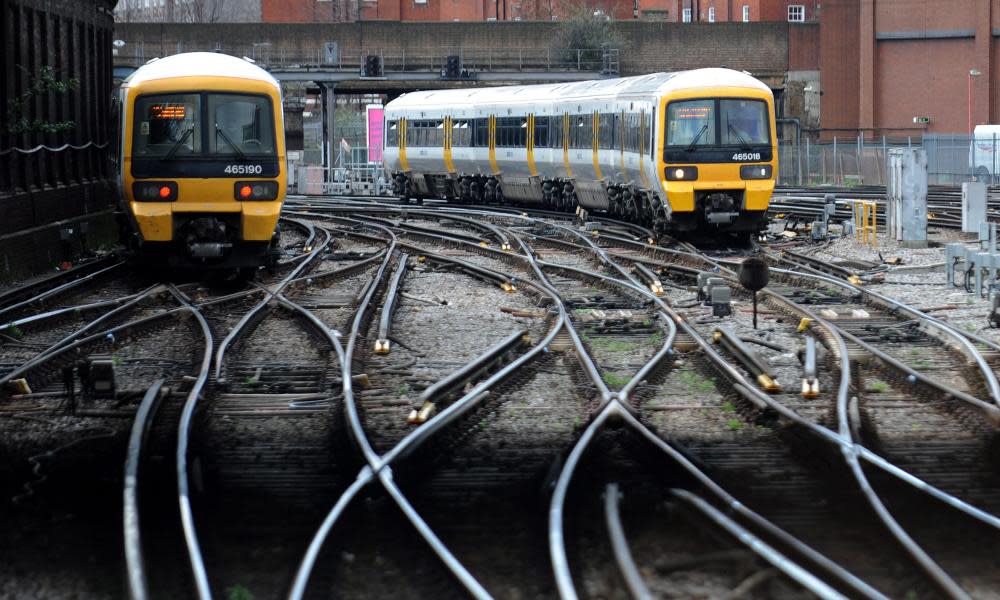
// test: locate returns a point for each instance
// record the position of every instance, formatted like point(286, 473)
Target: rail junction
point(495, 402)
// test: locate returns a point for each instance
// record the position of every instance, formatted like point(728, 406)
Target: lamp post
point(972, 73)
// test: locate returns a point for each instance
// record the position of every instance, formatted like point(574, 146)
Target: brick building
point(305, 11)
point(883, 63)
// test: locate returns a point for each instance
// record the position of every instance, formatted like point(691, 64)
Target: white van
point(984, 159)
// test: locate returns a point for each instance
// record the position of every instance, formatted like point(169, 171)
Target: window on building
point(420, 1)
point(796, 13)
point(711, 14)
point(687, 15)
point(746, 13)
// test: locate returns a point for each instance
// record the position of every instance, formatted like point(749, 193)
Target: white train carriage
point(688, 150)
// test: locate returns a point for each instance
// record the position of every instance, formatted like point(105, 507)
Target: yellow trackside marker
point(508, 287)
point(565, 141)
point(854, 279)
point(770, 386)
point(484, 244)
point(421, 416)
point(505, 247)
point(810, 388)
point(595, 141)
point(421, 258)
point(804, 324)
point(449, 164)
point(530, 145)
point(402, 146)
point(381, 346)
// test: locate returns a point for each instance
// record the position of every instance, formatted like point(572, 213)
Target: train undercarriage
point(715, 211)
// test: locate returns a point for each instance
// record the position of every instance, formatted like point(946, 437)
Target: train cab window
point(541, 132)
point(240, 124)
point(743, 122)
point(392, 134)
point(691, 123)
point(167, 124)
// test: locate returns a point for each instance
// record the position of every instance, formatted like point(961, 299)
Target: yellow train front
point(202, 159)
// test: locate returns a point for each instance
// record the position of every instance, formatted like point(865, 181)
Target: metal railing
point(396, 60)
point(856, 161)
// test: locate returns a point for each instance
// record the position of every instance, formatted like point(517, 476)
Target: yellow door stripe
point(493, 145)
point(530, 145)
point(449, 164)
point(594, 140)
point(565, 137)
point(402, 146)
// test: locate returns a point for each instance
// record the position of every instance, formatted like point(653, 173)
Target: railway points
point(580, 324)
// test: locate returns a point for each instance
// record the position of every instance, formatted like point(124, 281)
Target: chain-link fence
point(951, 159)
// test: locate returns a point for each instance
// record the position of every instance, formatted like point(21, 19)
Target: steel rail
point(135, 564)
point(446, 386)
point(360, 438)
point(557, 550)
point(251, 314)
point(619, 544)
point(380, 466)
point(413, 440)
point(914, 550)
point(183, 436)
point(992, 386)
point(69, 285)
point(761, 548)
point(136, 299)
point(389, 306)
point(944, 582)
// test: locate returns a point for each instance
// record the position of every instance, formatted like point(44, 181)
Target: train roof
point(624, 86)
point(199, 64)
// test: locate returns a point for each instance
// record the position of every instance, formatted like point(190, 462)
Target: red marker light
point(245, 191)
point(164, 192)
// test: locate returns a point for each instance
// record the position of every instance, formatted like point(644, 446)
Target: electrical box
point(906, 197)
point(973, 205)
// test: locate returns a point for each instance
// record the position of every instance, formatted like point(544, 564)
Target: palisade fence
point(859, 161)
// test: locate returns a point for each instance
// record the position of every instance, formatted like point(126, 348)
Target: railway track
point(467, 401)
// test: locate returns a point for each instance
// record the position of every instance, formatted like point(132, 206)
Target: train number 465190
point(244, 169)
point(739, 156)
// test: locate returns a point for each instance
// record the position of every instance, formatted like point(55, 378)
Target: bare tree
point(188, 11)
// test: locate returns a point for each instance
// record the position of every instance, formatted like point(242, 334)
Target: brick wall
point(648, 46)
point(803, 47)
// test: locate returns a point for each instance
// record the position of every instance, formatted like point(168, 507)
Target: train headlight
point(756, 172)
point(681, 173)
point(154, 191)
point(256, 190)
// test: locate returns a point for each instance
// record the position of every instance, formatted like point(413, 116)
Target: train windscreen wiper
point(177, 145)
point(692, 146)
point(744, 144)
point(219, 131)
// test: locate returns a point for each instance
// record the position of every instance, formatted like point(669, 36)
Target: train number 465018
point(244, 169)
point(740, 156)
